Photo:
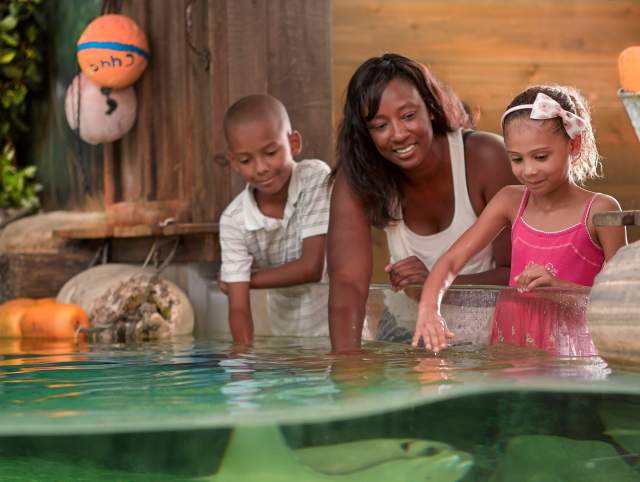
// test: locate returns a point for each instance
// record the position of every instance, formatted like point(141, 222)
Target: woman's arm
point(430, 326)
point(488, 171)
point(306, 269)
point(350, 264)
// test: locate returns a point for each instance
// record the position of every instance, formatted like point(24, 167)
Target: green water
point(167, 411)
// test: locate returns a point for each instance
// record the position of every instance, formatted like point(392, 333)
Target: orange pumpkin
point(113, 51)
point(45, 300)
point(52, 320)
point(629, 69)
point(11, 313)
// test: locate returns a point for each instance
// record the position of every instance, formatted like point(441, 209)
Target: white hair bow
point(544, 107)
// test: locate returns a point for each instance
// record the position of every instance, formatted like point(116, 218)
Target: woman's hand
point(407, 271)
point(537, 275)
point(432, 328)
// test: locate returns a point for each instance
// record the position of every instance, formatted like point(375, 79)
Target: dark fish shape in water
point(536, 458)
point(261, 454)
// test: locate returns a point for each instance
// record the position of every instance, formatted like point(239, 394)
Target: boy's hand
point(536, 275)
point(432, 328)
point(222, 286)
point(407, 271)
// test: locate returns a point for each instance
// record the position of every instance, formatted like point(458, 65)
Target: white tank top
point(404, 243)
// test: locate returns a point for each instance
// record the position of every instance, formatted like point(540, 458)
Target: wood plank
point(519, 29)
point(202, 247)
point(216, 170)
point(617, 218)
point(300, 79)
point(201, 86)
point(39, 275)
point(247, 56)
point(108, 231)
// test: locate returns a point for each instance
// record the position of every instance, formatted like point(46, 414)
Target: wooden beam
point(137, 231)
point(617, 218)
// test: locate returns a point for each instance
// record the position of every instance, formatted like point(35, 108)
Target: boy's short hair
point(255, 107)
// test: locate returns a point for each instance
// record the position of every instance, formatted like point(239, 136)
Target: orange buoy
point(113, 51)
point(629, 69)
point(52, 320)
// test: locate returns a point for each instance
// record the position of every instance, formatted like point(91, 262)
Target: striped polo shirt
point(250, 240)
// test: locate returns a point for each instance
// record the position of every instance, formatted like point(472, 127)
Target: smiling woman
point(406, 162)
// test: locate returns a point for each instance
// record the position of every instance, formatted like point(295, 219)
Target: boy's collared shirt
point(252, 241)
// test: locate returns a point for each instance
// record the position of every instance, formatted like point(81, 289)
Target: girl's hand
point(432, 328)
point(536, 275)
point(407, 271)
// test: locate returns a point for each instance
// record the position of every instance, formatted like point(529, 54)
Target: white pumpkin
point(94, 290)
point(105, 115)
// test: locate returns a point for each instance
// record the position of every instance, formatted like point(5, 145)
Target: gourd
point(52, 320)
point(11, 313)
point(41, 318)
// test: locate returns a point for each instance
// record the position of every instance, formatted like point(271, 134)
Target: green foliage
point(20, 74)
point(18, 186)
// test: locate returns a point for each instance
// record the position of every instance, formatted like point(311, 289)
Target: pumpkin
point(52, 320)
point(614, 304)
point(629, 69)
point(113, 51)
point(11, 313)
point(104, 116)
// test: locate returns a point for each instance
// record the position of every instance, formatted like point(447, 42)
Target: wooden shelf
point(131, 244)
point(617, 218)
point(103, 231)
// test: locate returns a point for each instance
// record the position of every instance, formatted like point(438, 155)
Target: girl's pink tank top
point(570, 254)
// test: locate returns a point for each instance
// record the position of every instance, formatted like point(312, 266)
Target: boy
point(272, 234)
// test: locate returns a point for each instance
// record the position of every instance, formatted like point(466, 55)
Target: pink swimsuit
point(548, 319)
point(570, 254)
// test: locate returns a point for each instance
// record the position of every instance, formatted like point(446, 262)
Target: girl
point(550, 142)
point(405, 164)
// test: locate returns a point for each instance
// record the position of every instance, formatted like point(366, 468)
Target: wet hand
point(432, 328)
point(407, 271)
point(222, 286)
point(536, 275)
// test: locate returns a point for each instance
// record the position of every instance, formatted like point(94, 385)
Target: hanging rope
point(82, 179)
point(203, 54)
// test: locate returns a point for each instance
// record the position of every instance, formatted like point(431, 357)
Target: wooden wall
point(174, 156)
point(490, 50)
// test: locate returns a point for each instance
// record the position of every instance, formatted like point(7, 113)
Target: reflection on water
point(166, 408)
point(168, 385)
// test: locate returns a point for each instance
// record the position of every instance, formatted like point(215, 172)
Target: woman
point(406, 164)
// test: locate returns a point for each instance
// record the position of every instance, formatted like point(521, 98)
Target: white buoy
point(104, 115)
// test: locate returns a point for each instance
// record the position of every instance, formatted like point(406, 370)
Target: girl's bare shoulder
point(507, 201)
point(604, 202)
point(511, 193)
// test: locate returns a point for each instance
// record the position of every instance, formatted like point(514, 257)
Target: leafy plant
point(20, 74)
point(19, 189)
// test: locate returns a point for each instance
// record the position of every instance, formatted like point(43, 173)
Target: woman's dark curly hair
point(375, 180)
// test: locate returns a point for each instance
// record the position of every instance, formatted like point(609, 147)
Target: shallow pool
point(168, 411)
